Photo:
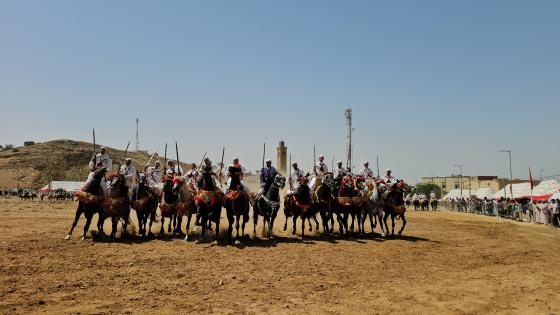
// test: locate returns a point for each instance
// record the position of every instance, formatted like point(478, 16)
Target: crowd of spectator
point(523, 210)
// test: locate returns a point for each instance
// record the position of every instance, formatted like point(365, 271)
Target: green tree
point(427, 189)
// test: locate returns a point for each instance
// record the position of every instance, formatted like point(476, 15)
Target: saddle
point(207, 198)
point(233, 194)
point(297, 204)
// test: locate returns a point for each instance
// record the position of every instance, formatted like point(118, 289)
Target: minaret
point(281, 157)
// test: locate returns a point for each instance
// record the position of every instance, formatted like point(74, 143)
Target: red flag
point(531, 178)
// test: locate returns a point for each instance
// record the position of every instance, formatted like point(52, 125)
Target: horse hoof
point(271, 238)
point(285, 228)
point(198, 241)
point(186, 238)
point(214, 242)
point(83, 238)
point(237, 242)
point(67, 237)
point(400, 233)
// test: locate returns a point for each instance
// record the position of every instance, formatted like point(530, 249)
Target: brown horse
point(117, 204)
point(299, 205)
point(90, 199)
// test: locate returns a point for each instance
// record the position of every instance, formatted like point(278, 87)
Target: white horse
point(374, 206)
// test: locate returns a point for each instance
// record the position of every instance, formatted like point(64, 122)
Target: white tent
point(65, 185)
point(555, 196)
point(546, 187)
point(519, 190)
point(484, 192)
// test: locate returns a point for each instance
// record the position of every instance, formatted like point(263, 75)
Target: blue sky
point(431, 83)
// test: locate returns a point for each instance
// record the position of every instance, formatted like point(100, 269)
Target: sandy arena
point(445, 263)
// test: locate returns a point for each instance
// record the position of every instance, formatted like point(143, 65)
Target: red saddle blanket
point(208, 198)
point(233, 194)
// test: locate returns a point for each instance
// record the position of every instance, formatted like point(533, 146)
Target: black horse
point(299, 205)
point(268, 204)
point(209, 202)
point(90, 202)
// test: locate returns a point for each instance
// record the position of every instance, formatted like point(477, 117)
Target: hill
point(33, 166)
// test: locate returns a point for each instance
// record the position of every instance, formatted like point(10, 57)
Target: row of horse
point(343, 199)
point(422, 204)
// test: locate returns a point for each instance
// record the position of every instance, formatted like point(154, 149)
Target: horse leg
point(237, 219)
point(255, 221)
point(331, 217)
point(161, 230)
point(189, 217)
point(353, 217)
point(217, 222)
point(403, 223)
point(294, 227)
point(245, 220)
point(372, 221)
point(286, 222)
point(115, 222)
point(86, 227)
point(230, 225)
point(385, 221)
point(303, 225)
point(310, 225)
point(178, 228)
point(393, 224)
point(79, 212)
point(171, 221)
point(140, 217)
point(152, 219)
point(203, 219)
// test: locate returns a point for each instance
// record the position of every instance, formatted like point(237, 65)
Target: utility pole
point(510, 172)
point(460, 178)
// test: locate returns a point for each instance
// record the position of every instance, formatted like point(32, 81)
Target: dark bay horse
point(268, 204)
point(236, 202)
point(168, 204)
point(144, 202)
point(324, 202)
point(209, 200)
point(299, 205)
point(394, 205)
point(90, 199)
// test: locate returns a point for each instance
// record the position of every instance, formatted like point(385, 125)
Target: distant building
point(472, 183)
point(282, 157)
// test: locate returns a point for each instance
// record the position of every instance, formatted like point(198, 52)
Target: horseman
point(432, 195)
point(294, 180)
point(129, 172)
point(103, 158)
point(319, 170)
point(234, 175)
point(192, 175)
point(389, 179)
point(268, 173)
point(154, 174)
point(90, 178)
point(366, 172)
point(173, 169)
point(339, 171)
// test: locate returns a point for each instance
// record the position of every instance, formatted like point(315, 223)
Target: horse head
point(117, 185)
point(279, 181)
point(328, 180)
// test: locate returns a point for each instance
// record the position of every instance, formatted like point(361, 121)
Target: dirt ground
point(445, 263)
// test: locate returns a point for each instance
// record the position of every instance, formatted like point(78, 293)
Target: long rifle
point(178, 165)
point(165, 160)
point(221, 166)
point(264, 152)
point(290, 170)
point(314, 159)
point(201, 161)
point(94, 145)
point(126, 150)
point(151, 157)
